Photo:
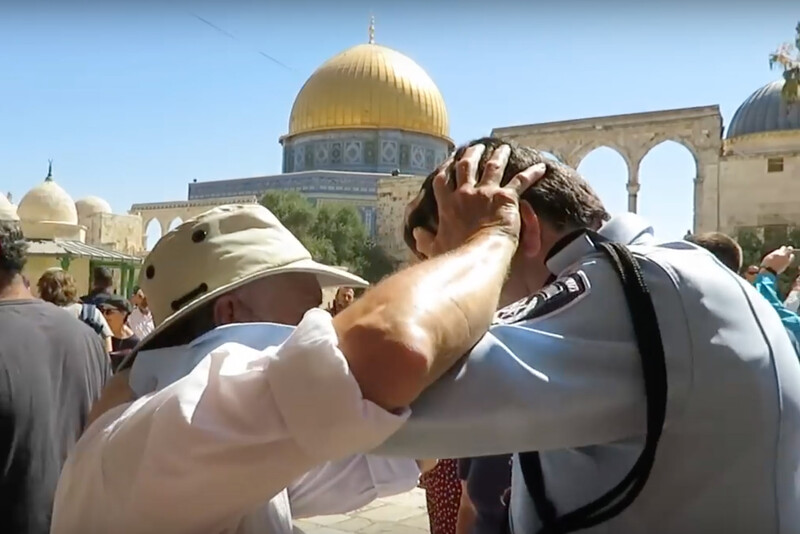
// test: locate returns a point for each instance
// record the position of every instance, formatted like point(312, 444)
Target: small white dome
point(8, 211)
point(47, 202)
point(88, 206)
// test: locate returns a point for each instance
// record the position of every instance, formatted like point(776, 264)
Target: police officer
point(670, 405)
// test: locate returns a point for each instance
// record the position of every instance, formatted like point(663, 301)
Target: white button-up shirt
point(141, 322)
point(231, 446)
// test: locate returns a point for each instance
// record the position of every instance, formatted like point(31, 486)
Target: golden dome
point(47, 202)
point(370, 86)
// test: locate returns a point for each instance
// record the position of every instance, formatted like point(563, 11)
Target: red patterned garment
point(443, 494)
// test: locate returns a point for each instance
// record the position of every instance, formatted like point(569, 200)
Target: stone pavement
point(402, 514)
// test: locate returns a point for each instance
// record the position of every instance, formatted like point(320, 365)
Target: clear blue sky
point(134, 100)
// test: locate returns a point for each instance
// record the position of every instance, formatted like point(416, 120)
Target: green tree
point(334, 235)
point(377, 262)
point(752, 247)
point(293, 210)
point(787, 58)
point(342, 226)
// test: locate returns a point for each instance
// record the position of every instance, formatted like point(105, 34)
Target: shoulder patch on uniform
point(557, 296)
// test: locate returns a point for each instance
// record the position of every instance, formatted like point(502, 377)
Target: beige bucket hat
point(218, 251)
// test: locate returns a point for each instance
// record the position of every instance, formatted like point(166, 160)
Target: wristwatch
point(769, 270)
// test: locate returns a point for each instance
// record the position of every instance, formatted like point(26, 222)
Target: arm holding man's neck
point(408, 330)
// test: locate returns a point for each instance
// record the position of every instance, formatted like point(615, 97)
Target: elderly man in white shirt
point(140, 320)
point(250, 425)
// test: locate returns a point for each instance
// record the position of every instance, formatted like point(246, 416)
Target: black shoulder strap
point(651, 350)
point(86, 313)
point(88, 317)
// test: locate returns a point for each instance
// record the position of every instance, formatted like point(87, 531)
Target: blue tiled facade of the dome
point(765, 111)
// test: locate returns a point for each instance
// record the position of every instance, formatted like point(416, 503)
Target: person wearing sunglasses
point(116, 310)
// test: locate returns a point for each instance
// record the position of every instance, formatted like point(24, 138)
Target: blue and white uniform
point(566, 380)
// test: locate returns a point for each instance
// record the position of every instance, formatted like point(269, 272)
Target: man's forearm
point(409, 329)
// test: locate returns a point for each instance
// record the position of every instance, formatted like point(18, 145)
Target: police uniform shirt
point(564, 377)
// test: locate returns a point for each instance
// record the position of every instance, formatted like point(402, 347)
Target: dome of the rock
point(370, 86)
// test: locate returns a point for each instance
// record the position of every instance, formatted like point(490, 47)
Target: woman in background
point(443, 495)
point(58, 287)
point(116, 310)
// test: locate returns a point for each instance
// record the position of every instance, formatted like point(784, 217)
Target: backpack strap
point(87, 315)
point(86, 312)
point(651, 351)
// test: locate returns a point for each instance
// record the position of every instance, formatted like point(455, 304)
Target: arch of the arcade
point(633, 136)
point(168, 214)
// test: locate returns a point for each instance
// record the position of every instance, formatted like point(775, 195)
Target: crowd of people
point(545, 367)
point(120, 322)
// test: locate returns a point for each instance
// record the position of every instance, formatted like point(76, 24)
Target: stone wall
point(356, 189)
point(393, 195)
point(52, 230)
point(120, 233)
point(753, 195)
point(78, 268)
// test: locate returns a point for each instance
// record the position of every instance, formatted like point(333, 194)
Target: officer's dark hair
point(562, 197)
point(13, 248)
point(102, 277)
point(723, 246)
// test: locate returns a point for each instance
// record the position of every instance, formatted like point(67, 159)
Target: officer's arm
point(567, 379)
point(766, 284)
point(522, 389)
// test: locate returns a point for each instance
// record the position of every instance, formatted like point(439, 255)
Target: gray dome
point(764, 111)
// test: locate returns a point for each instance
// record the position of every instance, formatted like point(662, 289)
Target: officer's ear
point(530, 234)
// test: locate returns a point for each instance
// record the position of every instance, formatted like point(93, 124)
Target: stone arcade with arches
point(632, 136)
point(746, 180)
